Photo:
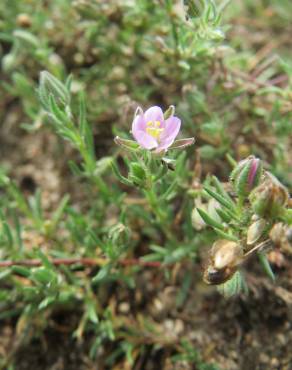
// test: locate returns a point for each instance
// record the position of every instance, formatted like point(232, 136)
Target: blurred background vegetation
point(226, 66)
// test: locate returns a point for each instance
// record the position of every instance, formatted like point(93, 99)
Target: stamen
point(153, 129)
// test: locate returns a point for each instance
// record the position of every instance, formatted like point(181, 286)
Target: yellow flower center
point(153, 128)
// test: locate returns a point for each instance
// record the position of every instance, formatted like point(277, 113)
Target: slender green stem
point(90, 166)
point(240, 204)
point(160, 214)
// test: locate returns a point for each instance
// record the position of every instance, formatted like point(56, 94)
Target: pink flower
point(152, 131)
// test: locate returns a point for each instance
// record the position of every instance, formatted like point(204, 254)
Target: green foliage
point(73, 73)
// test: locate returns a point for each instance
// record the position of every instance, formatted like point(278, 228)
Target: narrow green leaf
point(26, 37)
point(76, 170)
point(119, 175)
point(226, 217)
point(46, 262)
point(169, 192)
point(91, 312)
point(219, 187)
point(4, 274)
point(266, 265)
point(60, 210)
point(21, 270)
point(50, 85)
point(57, 113)
point(226, 235)
point(209, 220)
point(8, 233)
point(43, 275)
point(102, 274)
point(82, 114)
point(68, 84)
point(46, 302)
point(220, 199)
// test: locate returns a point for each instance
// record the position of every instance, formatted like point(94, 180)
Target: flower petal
point(154, 114)
point(145, 140)
point(138, 125)
point(172, 127)
point(165, 144)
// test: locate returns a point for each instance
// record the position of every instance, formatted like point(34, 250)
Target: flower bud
point(225, 257)
point(51, 86)
point(269, 199)
point(119, 233)
point(246, 175)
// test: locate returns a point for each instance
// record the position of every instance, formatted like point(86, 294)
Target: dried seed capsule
point(281, 236)
point(226, 253)
point(255, 231)
point(225, 257)
point(23, 20)
point(216, 277)
point(269, 199)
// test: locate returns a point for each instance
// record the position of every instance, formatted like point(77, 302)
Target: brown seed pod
point(255, 231)
point(281, 236)
point(225, 256)
point(23, 20)
point(269, 199)
point(217, 277)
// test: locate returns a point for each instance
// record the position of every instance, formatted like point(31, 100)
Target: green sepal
point(127, 144)
point(169, 112)
point(182, 143)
